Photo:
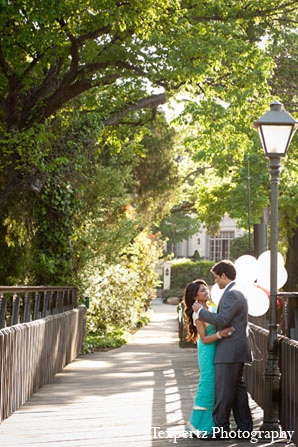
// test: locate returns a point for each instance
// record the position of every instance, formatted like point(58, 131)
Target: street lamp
point(276, 129)
point(248, 208)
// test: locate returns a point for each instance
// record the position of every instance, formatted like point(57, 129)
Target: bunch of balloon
point(264, 271)
point(253, 278)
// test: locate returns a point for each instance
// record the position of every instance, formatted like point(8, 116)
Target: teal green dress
point(201, 416)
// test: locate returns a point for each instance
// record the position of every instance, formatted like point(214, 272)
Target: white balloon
point(264, 280)
point(282, 277)
point(280, 260)
point(264, 258)
point(258, 301)
point(216, 293)
point(263, 277)
point(247, 269)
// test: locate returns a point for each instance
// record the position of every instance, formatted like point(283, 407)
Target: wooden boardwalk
point(117, 397)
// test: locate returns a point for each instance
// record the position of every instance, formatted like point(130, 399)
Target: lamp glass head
point(276, 129)
point(275, 139)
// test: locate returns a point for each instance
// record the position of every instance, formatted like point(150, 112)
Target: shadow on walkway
point(117, 397)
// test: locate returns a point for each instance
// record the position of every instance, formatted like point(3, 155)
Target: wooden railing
point(288, 361)
point(42, 331)
point(254, 373)
point(24, 304)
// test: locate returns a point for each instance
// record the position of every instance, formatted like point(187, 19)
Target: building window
point(220, 245)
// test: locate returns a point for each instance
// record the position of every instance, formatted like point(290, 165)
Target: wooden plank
point(117, 397)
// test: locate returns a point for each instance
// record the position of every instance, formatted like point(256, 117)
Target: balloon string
point(253, 343)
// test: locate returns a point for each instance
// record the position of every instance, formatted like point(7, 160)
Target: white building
point(209, 246)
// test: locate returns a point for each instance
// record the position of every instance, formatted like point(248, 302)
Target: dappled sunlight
point(136, 392)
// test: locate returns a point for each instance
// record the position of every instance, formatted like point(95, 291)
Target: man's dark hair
point(226, 266)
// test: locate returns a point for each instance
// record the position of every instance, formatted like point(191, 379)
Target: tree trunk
point(292, 263)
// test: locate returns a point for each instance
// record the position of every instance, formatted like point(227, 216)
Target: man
point(231, 352)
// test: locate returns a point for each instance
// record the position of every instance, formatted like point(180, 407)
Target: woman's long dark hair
point(190, 293)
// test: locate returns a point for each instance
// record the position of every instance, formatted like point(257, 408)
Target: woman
point(206, 336)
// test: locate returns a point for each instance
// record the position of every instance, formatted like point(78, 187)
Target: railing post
point(15, 309)
point(22, 304)
point(44, 304)
point(2, 311)
point(50, 302)
point(75, 297)
point(36, 314)
point(27, 307)
point(60, 300)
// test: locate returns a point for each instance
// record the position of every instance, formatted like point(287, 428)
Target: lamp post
point(248, 208)
point(276, 129)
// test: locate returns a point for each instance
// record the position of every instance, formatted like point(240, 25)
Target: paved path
point(117, 397)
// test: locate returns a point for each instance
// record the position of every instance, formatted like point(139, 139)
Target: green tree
point(221, 139)
point(282, 46)
point(106, 64)
point(240, 247)
point(178, 227)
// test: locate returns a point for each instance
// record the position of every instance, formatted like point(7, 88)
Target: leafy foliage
point(121, 293)
point(87, 162)
point(112, 340)
point(184, 271)
point(69, 69)
point(178, 227)
point(240, 247)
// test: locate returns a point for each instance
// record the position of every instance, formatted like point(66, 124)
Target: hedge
point(184, 271)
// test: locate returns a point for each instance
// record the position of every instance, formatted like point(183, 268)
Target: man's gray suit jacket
point(232, 311)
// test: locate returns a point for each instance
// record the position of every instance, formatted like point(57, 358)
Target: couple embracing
point(223, 349)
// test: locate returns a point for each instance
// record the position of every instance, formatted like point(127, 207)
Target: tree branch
point(183, 207)
point(151, 102)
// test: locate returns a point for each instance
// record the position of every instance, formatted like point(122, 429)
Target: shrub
point(184, 271)
point(239, 247)
point(108, 341)
point(120, 295)
point(172, 292)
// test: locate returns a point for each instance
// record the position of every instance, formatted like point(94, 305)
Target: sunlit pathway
point(116, 398)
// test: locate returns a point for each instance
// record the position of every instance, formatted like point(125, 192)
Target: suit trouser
point(231, 394)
